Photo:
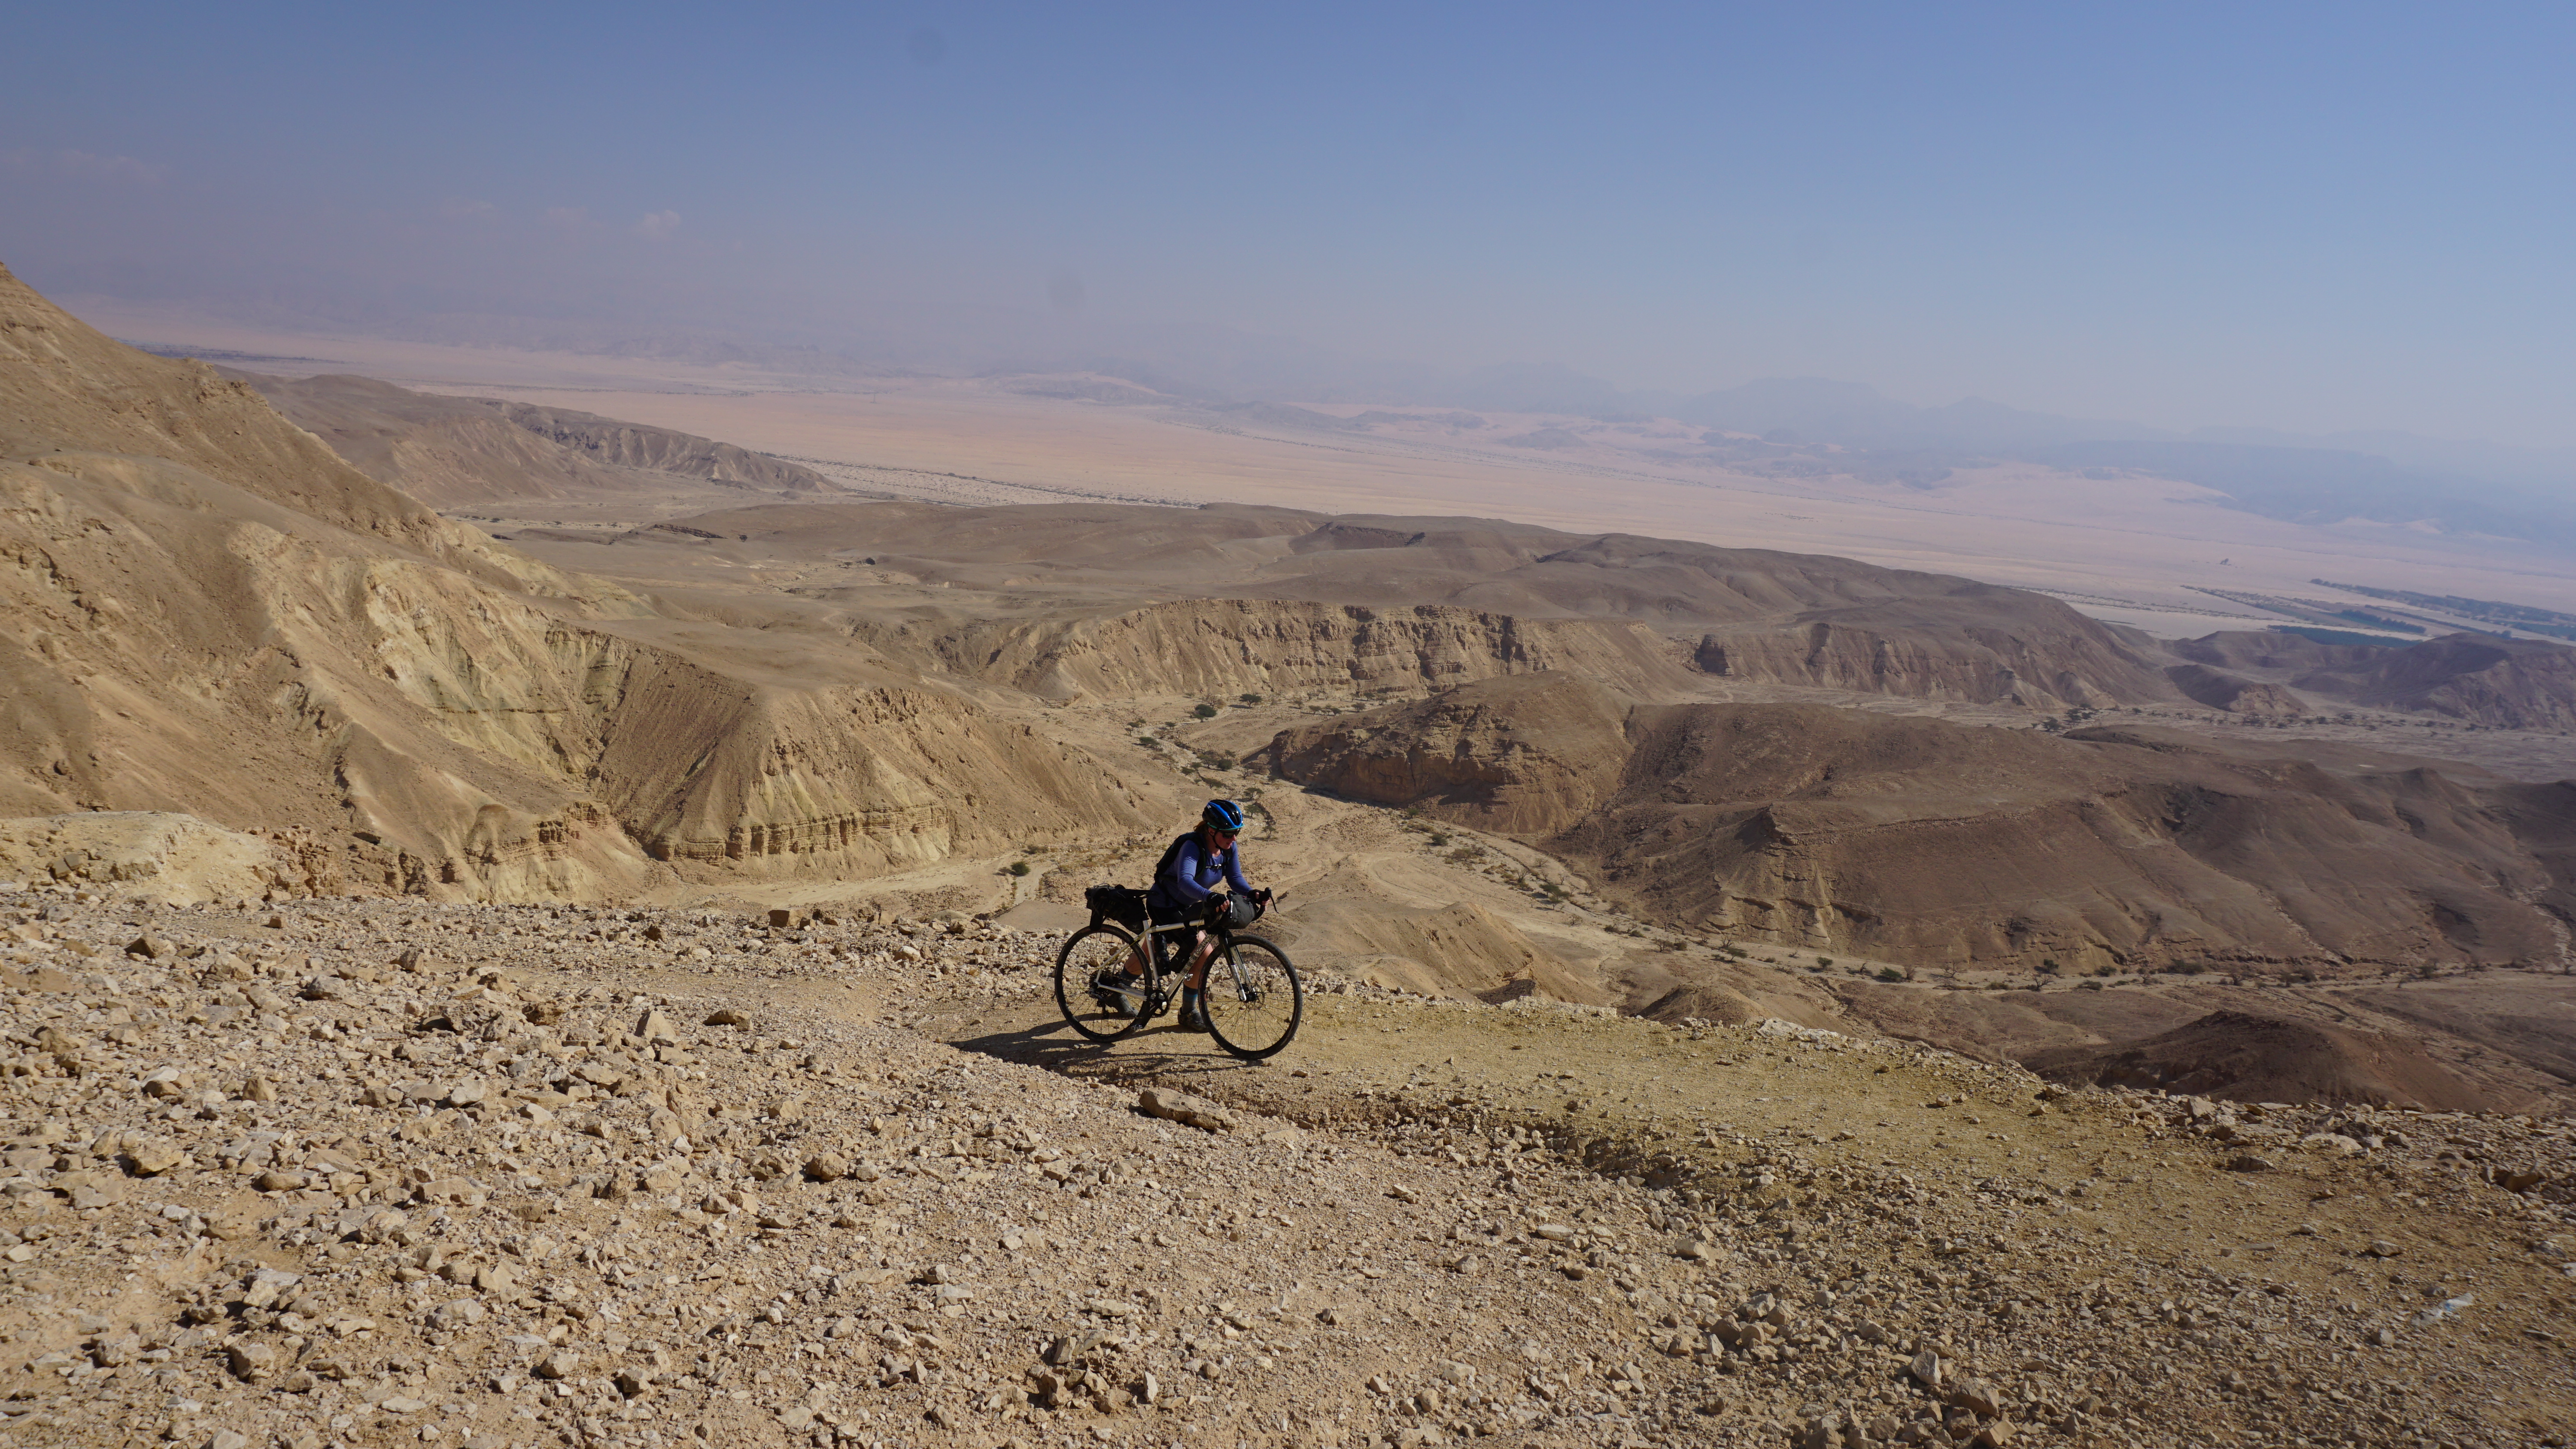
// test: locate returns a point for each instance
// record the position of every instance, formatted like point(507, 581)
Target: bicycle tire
point(1253, 1000)
point(1085, 955)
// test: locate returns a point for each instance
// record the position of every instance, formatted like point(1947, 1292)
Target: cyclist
point(1185, 889)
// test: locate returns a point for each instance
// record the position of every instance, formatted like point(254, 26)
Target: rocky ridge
point(354, 1172)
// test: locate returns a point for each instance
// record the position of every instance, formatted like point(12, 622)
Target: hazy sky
point(2309, 216)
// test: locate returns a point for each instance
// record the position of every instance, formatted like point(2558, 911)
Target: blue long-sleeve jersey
point(1194, 873)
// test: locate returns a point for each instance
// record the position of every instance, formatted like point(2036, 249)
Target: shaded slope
point(456, 450)
point(1922, 841)
point(660, 450)
point(2521, 684)
point(2269, 1059)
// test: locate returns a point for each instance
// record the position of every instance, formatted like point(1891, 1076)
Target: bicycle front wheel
point(1253, 998)
point(1100, 1001)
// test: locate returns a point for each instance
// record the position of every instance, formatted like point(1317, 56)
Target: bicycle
point(1253, 1000)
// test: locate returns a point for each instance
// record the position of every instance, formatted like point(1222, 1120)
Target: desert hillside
point(210, 612)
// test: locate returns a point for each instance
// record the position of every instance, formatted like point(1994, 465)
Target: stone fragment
point(467, 1093)
point(259, 1089)
point(563, 1363)
point(268, 1285)
point(1070, 1348)
point(727, 1016)
point(115, 1351)
point(2250, 1162)
point(153, 1156)
point(150, 947)
point(251, 1360)
point(827, 1167)
point(657, 1028)
point(462, 1313)
point(1185, 1109)
point(1926, 1369)
point(454, 1192)
point(1978, 1396)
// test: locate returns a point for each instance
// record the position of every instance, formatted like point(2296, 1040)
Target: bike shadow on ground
point(1159, 1053)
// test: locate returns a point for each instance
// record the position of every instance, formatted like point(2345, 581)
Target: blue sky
point(2307, 216)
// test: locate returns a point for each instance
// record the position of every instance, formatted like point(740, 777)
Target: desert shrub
point(1437, 838)
point(2048, 966)
point(2088, 986)
point(1465, 855)
point(1205, 711)
point(1149, 742)
point(1890, 973)
point(1019, 867)
point(1249, 698)
point(1825, 961)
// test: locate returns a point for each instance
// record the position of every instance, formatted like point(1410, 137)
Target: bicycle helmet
point(1222, 816)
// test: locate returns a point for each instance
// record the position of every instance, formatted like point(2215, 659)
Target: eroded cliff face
point(1529, 756)
point(1975, 645)
point(852, 779)
point(1218, 648)
point(1919, 840)
point(2518, 684)
point(2221, 690)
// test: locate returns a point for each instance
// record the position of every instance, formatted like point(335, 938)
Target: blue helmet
point(1222, 815)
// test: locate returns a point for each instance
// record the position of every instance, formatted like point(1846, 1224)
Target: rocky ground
point(360, 1172)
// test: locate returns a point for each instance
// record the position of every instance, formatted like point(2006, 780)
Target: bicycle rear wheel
point(1253, 999)
point(1099, 1000)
